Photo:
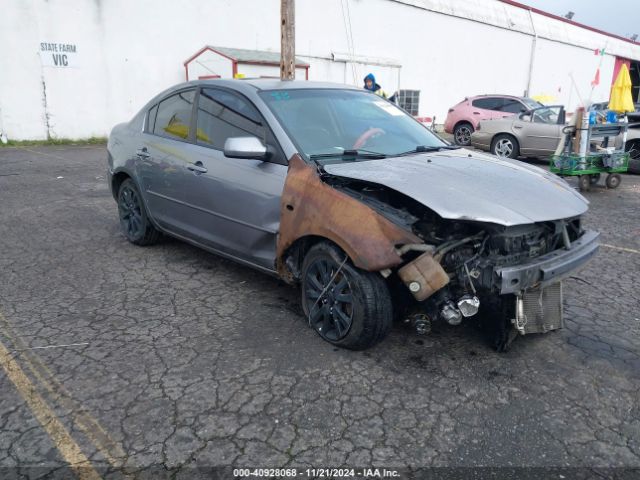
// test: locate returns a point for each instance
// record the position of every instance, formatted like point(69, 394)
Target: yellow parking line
point(63, 441)
point(89, 426)
point(623, 249)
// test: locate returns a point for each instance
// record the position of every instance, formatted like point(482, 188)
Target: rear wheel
point(462, 134)
point(134, 221)
point(505, 146)
point(346, 306)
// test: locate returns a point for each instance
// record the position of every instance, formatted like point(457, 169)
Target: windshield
point(326, 122)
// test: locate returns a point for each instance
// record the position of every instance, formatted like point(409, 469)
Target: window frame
point(191, 134)
point(277, 153)
point(508, 100)
point(148, 119)
point(499, 103)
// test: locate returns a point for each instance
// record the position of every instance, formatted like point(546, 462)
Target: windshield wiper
point(424, 148)
point(355, 154)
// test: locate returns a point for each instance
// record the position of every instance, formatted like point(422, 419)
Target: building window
point(409, 100)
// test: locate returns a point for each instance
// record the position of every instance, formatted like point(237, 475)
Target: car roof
point(495, 95)
point(254, 84)
point(249, 86)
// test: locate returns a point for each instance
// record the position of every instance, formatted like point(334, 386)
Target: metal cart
point(599, 158)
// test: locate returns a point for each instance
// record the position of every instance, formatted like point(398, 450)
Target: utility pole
point(287, 40)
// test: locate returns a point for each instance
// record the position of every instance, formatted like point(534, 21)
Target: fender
point(311, 207)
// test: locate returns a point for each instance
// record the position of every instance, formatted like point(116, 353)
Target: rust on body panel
point(311, 207)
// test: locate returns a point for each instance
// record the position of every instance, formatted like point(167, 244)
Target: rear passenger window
point(488, 103)
point(222, 115)
point(151, 119)
point(174, 116)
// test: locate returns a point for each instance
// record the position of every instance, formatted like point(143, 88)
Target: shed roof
point(243, 55)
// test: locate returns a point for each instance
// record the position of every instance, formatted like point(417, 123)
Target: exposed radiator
point(539, 310)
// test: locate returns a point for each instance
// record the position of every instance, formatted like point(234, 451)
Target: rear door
point(235, 203)
point(163, 157)
point(485, 108)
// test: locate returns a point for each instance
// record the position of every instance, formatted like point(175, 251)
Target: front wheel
point(584, 183)
point(505, 146)
point(346, 306)
point(134, 221)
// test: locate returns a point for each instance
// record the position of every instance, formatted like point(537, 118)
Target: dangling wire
point(327, 287)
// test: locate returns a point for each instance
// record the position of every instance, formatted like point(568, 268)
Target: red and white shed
point(224, 62)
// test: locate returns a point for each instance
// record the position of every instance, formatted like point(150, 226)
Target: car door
point(235, 203)
point(539, 132)
point(162, 160)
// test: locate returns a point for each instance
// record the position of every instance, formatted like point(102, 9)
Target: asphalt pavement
point(167, 358)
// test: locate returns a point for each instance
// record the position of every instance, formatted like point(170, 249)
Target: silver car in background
point(343, 193)
point(534, 133)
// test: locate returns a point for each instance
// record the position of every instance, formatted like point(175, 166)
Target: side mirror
point(245, 147)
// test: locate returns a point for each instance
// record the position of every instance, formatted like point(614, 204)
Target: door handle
point(143, 153)
point(517, 126)
point(197, 167)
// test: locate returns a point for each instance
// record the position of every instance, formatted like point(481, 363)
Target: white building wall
point(127, 51)
point(250, 70)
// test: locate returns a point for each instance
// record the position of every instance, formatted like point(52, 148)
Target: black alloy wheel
point(134, 222)
point(347, 306)
point(331, 298)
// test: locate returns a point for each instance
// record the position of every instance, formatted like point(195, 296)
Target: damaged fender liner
point(310, 207)
point(549, 268)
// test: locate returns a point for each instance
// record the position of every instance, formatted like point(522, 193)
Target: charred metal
point(449, 267)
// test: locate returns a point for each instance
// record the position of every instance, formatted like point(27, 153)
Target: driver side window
point(223, 115)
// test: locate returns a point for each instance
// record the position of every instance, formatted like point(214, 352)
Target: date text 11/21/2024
point(316, 472)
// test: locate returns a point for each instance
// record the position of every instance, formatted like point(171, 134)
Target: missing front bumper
point(539, 310)
point(547, 269)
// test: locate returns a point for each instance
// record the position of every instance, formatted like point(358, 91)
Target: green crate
point(572, 164)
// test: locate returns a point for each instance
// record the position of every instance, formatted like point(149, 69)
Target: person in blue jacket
point(370, 84)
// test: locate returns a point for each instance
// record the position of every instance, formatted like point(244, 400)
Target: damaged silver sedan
point(337, 190)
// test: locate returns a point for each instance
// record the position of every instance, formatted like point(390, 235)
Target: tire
point(355, 312)
point(134, 220)
point(584, 183)
point(505, 146)
point(634, 156)
point(462, 134)
point(613, 180)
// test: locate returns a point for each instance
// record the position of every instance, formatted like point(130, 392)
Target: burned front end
point(460, 266)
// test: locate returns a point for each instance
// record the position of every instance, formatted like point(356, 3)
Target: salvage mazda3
point(340, 191)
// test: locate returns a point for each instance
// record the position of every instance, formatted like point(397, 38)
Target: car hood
point(465, 185)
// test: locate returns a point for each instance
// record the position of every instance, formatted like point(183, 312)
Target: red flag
point(596, 79)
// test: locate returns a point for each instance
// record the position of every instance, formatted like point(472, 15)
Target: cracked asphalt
point(168, 358)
